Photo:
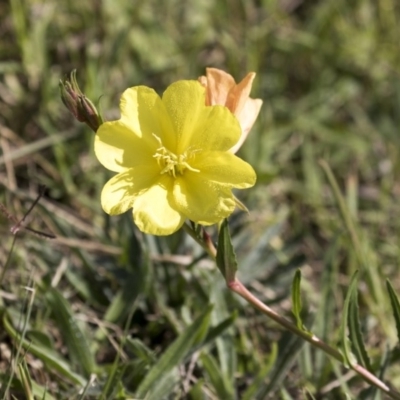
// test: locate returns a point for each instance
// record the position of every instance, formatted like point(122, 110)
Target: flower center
point(171, 163)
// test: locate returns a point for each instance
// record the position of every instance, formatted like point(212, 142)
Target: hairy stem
point(236, 286)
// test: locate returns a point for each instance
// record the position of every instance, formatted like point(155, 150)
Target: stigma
point(171, 163)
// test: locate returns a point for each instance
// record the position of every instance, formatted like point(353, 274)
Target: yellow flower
point(172, 159)
point(222, 90)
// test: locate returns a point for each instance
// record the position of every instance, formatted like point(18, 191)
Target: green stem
point(204, 240)
point(237, 287)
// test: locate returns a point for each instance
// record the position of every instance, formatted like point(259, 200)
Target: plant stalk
point(236, 286)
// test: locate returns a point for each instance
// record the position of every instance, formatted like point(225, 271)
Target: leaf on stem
point(394, 301)
point(296, 299)
point(350, 319)
point(226, 257)
point(355, 332)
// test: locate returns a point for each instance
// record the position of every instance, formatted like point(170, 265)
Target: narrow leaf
point(361, 248)
point(135, 283)
point(26, 380)
point(226, 258)
point(355, 333)
point(196, 391)
point(113, 381)
point(394, 301)
point(289, 348)
point(41, 392)
point(257, 383)
point(165, 385)
point(175, 353)
point(225, 343)
point(372, 392)
point(216, 331)
point(345, 345)
point(296, 299)
point(140, 350)
point(215, 375)
point(74, 337)
point(51, 359)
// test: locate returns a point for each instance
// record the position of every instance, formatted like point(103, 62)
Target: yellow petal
point(120, 191)
point(201, 200)
point(119, 148)
point(217, 129)
point(184, 101)
point(144, 111)
point(152, 211)
point(130, 141)
point(199, 127)
point(225, 168)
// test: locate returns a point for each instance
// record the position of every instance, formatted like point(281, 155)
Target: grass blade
point(176, 352)
point(257, 383)
point(26, 380)
point(222, 387)
point(49, 358)
point(73, 335)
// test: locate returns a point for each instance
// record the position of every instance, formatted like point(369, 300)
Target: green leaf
point(165, 385)
point(51, 359)
point(41, 392)
point(74, 337)
point(257, 383)
point(225, 343)
point(216, 331)
point(38, 391)
point(221, 385)
point(40, 338)
point(296, 299)
point(355, 333)
point(308, 395)
point(26, 380)
point(140, 350)
point(175, 353)
point(324, 320)
point(135, 283)
point(372, 392)
point(226, 258)
point(394, 301)
point(345, 344)
point(196, 391)
point(113, 380)
point(289, 348)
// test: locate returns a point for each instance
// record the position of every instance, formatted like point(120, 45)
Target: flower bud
point(78, 104)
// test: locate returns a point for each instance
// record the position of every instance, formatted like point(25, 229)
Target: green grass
point(105, 312)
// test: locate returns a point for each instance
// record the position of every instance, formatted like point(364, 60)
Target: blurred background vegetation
point(105, 299)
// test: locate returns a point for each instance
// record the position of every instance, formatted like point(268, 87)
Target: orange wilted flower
point(223, 90)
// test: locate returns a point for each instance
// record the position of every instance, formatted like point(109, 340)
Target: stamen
point(171, 163)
